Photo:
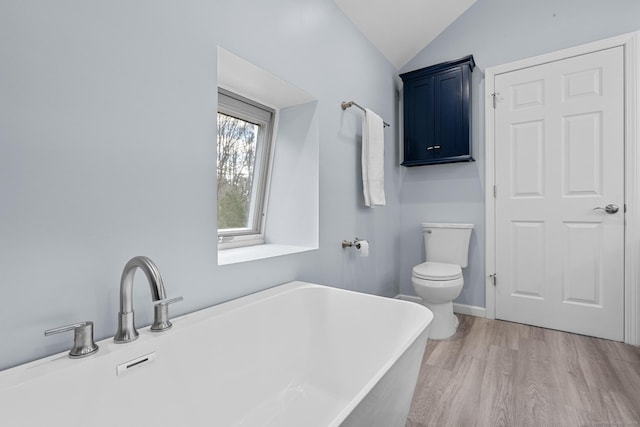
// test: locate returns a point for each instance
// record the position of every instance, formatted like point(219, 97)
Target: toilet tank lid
point(445, 225)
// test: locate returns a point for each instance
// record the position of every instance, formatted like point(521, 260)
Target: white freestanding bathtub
point(298, 355)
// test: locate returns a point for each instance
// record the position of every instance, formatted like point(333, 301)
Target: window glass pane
point(237, 147)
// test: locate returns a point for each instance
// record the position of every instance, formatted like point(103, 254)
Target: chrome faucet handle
point(161, 314)
point(83, 344)
point(168, 301)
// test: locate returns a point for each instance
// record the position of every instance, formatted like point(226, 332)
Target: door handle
point(610, 209)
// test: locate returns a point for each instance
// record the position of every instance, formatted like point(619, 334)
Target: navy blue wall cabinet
point(437, 113)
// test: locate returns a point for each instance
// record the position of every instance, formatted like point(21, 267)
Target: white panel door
point(559, 153)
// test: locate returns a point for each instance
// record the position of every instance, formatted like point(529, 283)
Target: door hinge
point(495, 95)
point(495, 191)
point(494, 277)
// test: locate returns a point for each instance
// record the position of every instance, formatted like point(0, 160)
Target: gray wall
point(495, 32)
point(107, 148)
point(107, 151)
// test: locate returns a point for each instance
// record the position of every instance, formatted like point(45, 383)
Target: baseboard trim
point(471, 310)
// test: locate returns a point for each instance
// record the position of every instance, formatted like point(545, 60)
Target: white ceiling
point(402, 28)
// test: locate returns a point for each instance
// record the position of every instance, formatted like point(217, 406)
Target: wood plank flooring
point(493, 373)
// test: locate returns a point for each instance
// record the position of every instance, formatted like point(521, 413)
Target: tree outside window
point(237, 141)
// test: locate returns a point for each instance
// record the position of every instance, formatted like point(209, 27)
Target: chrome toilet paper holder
point(350, 244)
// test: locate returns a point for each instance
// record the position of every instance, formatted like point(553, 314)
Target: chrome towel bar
point(346, 105)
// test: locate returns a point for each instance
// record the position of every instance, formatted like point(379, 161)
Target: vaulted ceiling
point(402, 28)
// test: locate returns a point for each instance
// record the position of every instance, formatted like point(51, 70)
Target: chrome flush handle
point(610, 209)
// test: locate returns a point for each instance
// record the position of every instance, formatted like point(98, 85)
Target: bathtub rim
point(18, 375)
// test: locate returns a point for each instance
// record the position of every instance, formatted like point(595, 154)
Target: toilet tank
point(448, 243)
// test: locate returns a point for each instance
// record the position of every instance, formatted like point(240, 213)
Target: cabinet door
point(437, 113)
point(449, 140)
point(418, 120)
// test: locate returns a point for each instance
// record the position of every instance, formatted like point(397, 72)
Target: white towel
point(373, 159)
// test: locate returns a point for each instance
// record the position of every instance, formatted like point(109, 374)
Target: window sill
point(252, 253)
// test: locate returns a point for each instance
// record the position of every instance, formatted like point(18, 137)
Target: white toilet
point(438, 281)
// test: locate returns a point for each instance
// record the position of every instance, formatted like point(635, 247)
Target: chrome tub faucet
point(126, 327)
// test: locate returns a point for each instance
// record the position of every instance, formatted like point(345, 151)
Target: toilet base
point(445, 323)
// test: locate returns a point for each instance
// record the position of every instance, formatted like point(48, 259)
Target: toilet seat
point(437, 271)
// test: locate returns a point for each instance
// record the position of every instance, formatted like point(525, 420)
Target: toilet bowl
point(439, 281)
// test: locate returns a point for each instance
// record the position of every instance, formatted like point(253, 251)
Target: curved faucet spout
point(126, 282)
point(126, 328)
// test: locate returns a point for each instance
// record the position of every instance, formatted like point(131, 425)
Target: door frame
point(632, 174)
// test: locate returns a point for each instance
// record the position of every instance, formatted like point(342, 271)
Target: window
point(291, 223)
point(245, 131)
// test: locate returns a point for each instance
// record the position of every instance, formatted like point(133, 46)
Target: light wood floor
point(495, 373)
